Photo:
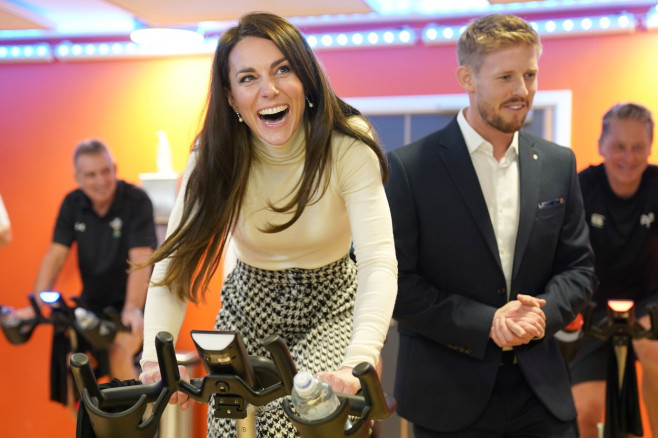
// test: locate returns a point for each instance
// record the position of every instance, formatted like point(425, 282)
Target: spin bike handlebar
point(62, 316)
point(619, 328)
point(620, 324)
point(17, 330)
point(246, 380)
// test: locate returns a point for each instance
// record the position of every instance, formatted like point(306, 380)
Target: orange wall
point(46, 109)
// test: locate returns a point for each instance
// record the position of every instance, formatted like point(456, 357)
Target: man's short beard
point(497, 122)
point(506, 127)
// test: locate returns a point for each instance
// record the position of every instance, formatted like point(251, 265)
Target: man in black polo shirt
point(112, 223)
point(621, 204)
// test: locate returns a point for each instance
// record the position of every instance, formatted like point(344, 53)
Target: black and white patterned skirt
point(311, 309)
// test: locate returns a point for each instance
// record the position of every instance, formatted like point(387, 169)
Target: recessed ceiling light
point(166, 37)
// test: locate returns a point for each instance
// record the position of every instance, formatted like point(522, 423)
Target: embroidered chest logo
point(116, 225)
point(647, 219)
point(80, 227)
point(597, 220)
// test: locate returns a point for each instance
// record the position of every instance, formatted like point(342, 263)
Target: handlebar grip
point(109, 397)
point(84, 375)
point(591, 329)
point(19, 331)
point(115, 317)
point(36, 308)
point(653, 316)
point(357, 403)
point(282, 360)
point(164, 346)
point(588, 315)
point(129, 395)
point(119, 411)
point(381, 405)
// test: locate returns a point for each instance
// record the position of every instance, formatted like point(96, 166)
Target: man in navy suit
point(493, 255)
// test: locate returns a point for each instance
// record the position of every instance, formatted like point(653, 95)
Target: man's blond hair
point(493, 32)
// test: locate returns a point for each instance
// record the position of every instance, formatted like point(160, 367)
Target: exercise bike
point(620, 328)
point(236, 383)
point(70, 322)
point(98, 331)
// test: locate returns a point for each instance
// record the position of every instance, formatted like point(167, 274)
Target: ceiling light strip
point(614, 23)
point(68, 51)
point(370, 38)
point(431, 35)
point(26, 53)
point(606, 24)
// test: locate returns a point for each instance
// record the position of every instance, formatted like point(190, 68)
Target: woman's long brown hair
point(217, 184)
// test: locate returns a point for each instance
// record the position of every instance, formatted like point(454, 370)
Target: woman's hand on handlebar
point(342, 380)
point(151, 374)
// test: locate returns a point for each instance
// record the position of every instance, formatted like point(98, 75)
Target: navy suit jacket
point(451, 281)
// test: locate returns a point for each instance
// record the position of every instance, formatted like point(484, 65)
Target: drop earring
point(239, 117)
point(310, 104)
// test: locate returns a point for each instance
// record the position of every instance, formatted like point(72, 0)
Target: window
point(400, 120)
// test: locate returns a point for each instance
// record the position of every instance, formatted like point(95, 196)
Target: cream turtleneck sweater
point(353, 209)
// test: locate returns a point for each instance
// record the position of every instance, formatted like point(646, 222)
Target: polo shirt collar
point(85, 202)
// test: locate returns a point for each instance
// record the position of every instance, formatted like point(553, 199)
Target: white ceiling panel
point(15, 17)
point(182, 13)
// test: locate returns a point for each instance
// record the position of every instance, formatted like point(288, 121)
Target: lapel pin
point(534, 156)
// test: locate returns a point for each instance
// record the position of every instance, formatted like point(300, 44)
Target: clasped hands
point(518, 322)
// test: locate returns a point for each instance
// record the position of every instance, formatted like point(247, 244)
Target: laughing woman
point(293, 175)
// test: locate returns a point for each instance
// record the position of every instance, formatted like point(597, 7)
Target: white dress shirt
point(499, 181)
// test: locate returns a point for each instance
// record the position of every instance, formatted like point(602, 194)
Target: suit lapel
point(530, 181)
point(457, 160)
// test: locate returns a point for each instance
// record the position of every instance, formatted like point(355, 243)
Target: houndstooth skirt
point(311, 309)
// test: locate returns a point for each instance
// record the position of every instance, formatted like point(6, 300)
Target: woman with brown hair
point(293, 176)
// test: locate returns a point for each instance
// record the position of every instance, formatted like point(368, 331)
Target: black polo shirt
point(103, 242)
point(624, 237)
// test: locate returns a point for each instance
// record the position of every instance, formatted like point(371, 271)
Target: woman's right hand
point(151, 374)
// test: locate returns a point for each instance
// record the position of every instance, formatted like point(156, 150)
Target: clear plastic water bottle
point(313, 398)
point(85, 319)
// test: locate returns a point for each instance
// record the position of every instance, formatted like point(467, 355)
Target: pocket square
point(551, 203)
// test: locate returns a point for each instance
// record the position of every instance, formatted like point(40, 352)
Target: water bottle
point(85, 319)
point(163, 153)
point(313, 398)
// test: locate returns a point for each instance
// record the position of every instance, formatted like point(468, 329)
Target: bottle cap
point(80, 312)
point(303, 382)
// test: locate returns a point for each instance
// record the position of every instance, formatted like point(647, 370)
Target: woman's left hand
point(342, 380)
